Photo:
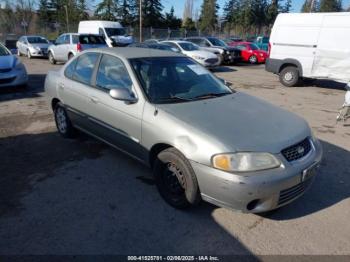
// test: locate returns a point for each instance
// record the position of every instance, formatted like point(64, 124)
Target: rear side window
point(91, 40)
point(69, 72)
point(85, 67)
point(75, 39)
point(112, 74)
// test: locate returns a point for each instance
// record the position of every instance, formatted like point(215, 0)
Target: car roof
point(137, 52)
point(176, 41)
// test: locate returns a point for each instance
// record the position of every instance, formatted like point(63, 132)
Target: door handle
point(94, 99)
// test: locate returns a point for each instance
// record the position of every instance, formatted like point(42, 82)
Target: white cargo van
point(310, 45)
point(113, 32)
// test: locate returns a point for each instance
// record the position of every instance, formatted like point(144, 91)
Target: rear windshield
point(88, 39)
point(37, 40)
point(4, 51)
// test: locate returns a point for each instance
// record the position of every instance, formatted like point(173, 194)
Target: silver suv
point(68, 45)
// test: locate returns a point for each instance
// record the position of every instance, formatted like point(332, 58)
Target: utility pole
point(67, 19)
point(140, 20)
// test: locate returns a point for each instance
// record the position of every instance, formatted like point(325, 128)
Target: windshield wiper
point(211, 95)
point(174, 98)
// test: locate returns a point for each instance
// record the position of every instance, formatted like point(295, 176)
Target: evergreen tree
point(81, 10)
point(152, 13)
point(189, 24)
point(330, 5)
point(208, 18)
point(306, 8)
point(171, 20)
point(107, 10)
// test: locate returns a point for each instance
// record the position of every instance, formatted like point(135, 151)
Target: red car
point(250, 52)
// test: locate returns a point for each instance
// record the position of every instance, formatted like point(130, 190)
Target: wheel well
point(69, 54)
point(286, 65)
point(155, 150)
point(54, 102)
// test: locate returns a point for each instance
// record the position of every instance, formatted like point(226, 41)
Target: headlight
point(37, 48)
point(198, 57)
point(245, 161)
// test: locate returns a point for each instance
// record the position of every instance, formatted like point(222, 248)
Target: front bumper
point(257, 191)
point(14, 78)
point(41, 53)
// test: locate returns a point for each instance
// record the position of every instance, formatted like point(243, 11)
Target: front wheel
point(175, 179)
point(29, 55)
point(19, 52)
point(253, 59)
point(289, 76)
point(52, 59)
point(63, 123)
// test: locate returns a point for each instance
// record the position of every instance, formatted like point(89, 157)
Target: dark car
point(154, 46)
point(229, 55)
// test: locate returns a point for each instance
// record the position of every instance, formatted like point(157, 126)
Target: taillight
point(269, 50)
point(79, 47)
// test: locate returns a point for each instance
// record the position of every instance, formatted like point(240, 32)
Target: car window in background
point(66, 39)
point(241, 47)
point(162, 47)
point(85, 67)
point(37, 40)
point(176, 79)
point(265, 40)
point(115, 31)
point(91, 40)
point(173, 46)
point(60, 39)
point(75, 39)
point(216, 42)
point(112, 74)
point(254, 47)
point(4, 51)
point(189, 47)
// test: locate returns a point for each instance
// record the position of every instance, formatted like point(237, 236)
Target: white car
point(205, 58)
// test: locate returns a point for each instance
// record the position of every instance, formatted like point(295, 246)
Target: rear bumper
point(259, 191)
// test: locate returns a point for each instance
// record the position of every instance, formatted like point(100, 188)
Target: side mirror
point(123, 95)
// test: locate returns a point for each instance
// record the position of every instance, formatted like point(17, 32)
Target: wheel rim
point(289, 76)
point(61, 120)
point(50, 57)
point(253, 59)
point(173, 180)
point(28, 54)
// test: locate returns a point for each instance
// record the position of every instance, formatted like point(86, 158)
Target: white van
point(113, 32)
point(310, 45)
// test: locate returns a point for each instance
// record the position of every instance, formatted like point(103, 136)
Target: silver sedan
point(202, 139)
point(12, 71)
point(32, 46)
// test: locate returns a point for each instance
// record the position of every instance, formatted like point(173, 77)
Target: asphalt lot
point(79, 196)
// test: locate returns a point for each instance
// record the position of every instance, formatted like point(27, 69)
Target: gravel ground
point(79, 196)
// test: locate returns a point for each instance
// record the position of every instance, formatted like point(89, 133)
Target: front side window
point(115, 31)
point(60, 39)
point(176, 79)
point(66, 39)
point(85, 67)
point(112, 74)
point(189, 46)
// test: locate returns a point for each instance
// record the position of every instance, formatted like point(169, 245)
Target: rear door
point(332, 58)
point(117, 122)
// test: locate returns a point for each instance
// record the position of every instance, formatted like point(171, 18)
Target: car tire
point(253, 59)
point(170, 168)
point(70, 56)
point(289, 76)
point(19, 52)
point(51, 58)
point(29, 55)
point(63, 123)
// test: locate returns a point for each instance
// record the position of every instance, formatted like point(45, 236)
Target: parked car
point(321, 49)
point(67, 46)
point(12, 71)
point(205, 58)
point(158, 46)
point(262, 42)
point(250, 52)
point(113, 32)
point(202, 139)
point(153, 41)
point(228, 54)
point(233, 39)
point(32, 46)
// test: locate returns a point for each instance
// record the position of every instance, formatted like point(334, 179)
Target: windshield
point(176, 79)
point(161, 47)
point(189, 46)
point(37, 40)
point(216, 42)
point(265, 40)
point(4, 51)
point(115, 31)
point(254, 47)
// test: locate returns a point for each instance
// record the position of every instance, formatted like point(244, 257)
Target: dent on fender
point(185, 145)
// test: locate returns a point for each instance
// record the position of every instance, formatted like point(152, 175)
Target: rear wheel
point(289, 76)
point(253, 59)
point(175, 179)
point(63, 123)
point(70, 56)
point(52, 58)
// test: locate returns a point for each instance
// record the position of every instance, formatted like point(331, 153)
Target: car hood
point(240, 122)
point(7, 61)
point(202, 53)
